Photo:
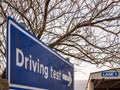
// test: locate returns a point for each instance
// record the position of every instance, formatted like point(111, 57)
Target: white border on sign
point(10, 22)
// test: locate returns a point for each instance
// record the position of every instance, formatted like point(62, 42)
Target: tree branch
point(44, 18)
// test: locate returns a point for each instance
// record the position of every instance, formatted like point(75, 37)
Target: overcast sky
point(85, 70)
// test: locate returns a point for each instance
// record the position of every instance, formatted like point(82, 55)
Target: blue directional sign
point(32, 65)
point(109, 74)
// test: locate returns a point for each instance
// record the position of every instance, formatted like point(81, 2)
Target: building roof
point(106, 78)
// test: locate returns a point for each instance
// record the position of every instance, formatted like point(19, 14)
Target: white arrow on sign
point(67, 78)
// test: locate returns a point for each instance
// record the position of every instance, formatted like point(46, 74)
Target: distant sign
point(109, 74)
point(32, 65)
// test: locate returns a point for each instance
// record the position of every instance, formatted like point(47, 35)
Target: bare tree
point(83, 30)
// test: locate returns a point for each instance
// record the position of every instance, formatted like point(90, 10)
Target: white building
point(80, 84)
point(104, 80)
